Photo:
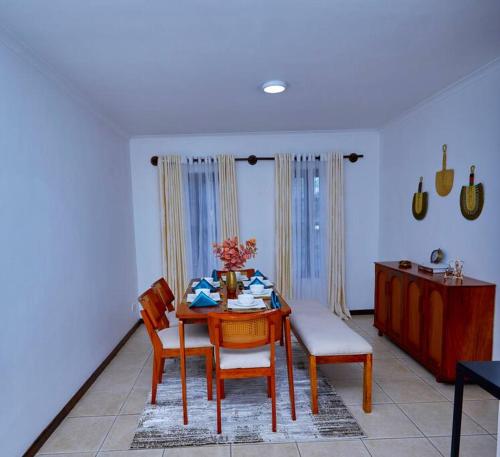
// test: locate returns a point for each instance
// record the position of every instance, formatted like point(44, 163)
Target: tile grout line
point(133, 385)
point(366, 447)
point(112, 425)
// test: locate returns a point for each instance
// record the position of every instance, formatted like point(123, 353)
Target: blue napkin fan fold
point(256, 281)
point(258, 273)
point(204, 284)
point(275, 302)
point(202, 300)
point(215, 276)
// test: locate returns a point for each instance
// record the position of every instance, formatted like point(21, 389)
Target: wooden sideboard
point(437, 321)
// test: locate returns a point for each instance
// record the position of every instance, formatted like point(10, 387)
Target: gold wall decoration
point(472, 198)
point(420, 202)
point(444, 177)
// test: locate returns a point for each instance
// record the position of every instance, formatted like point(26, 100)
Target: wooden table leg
point(457, 413)
point(183, 371)
point(289, 362)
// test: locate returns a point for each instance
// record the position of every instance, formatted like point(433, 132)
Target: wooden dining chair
point(249, 272)
point(244, 348)
point(167, 297)
point(165, 341)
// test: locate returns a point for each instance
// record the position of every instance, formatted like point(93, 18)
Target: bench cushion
point(323, 333)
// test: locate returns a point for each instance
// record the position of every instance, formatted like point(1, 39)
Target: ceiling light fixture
point(274, 87)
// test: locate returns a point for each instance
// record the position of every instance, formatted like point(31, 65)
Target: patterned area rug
point(246, 410)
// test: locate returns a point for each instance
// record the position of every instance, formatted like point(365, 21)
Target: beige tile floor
point(411, 413)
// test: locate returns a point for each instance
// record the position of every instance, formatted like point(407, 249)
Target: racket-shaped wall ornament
point(444, 177)
point(472, 198)
point(420, 202)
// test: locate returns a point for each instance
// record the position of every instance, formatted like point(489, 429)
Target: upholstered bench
point(328, 339)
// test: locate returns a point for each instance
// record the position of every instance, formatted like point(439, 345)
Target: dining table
point(187, 315)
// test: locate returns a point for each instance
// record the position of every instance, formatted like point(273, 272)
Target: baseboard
point(44, 436)
point(360, 312)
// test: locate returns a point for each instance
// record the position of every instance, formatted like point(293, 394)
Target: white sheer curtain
point(309, 227)
point(200, 177)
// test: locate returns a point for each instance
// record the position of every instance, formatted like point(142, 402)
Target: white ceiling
point(185, 66)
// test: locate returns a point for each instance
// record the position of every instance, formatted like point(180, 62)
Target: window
point(307, 220)
point(201, 190)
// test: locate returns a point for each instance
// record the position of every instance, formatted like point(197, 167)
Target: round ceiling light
point(274, 87)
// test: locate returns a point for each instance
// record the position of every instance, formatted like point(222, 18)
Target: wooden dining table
point(196, 315)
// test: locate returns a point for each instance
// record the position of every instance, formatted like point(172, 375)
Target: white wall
point(67, 264)
point(467, 118)
point(257, 215)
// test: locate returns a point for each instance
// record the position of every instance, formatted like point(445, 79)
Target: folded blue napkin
point(204, 284)
point(215, 276)
point(202, 300)
point(258, 273)
point(256, 281)
point(275, 302)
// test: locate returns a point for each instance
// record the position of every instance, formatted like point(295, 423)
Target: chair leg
point(314, 384)
point(367, 384)
point(208, 364)
point(269, 386)
point(273, 400)
point(161, 369)
point(154, 381)
point(218, 383)
point(222, 392)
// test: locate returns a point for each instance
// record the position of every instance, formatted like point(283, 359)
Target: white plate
point(258, 303)
point(265, 293)
point(266, 282)
point(214, 296)
point(212, 282)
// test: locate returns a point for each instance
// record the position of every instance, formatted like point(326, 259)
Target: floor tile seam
point(410, 419)
point(133, 385)
point(486, 432)
point(366, 447)
point(445, 400)
point(112, 425)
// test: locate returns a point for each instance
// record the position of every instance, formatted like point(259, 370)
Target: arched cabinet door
point(396, 307)
point(381, 299)
point(434, 315)
point(414, 316)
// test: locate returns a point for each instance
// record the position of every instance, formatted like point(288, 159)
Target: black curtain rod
point(252, 160)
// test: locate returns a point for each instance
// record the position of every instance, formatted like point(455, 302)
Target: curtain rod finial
point(154, 161)
point(252, 160)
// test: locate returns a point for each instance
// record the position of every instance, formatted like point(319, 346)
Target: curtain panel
point(229, 226)
point(336, 236)
point(199, 206)
point(283, 223)
point(172, 224)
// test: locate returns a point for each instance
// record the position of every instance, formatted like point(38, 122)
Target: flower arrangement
point(234, 254)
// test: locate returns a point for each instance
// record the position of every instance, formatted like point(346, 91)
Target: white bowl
point(245, 299)
point(205, 291)
point(257, 289)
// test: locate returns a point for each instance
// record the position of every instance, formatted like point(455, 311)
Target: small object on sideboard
point(433, 268)
point(436, 322)
point(404, 264)
point(437, 256)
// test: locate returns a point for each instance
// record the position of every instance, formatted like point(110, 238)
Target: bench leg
point(314, 384)
point(367, 384)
